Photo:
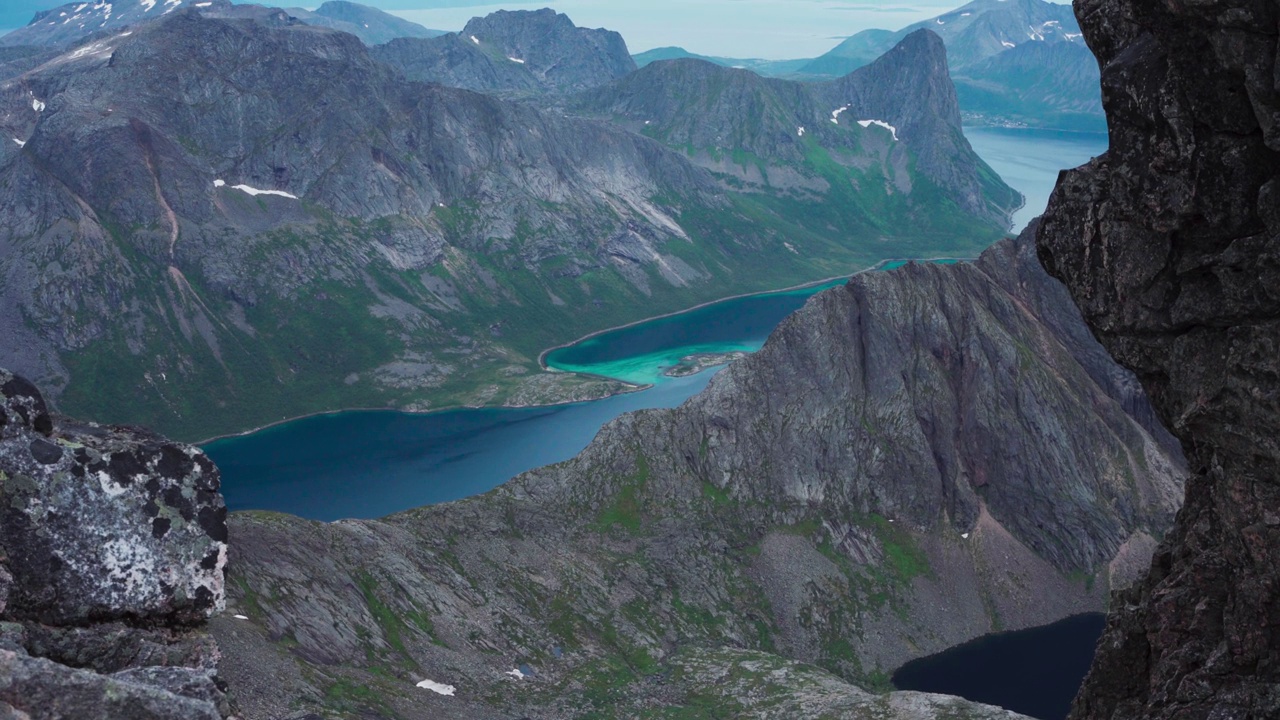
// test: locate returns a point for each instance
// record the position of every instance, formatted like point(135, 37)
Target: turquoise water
point(642, 352)
point(368, 464)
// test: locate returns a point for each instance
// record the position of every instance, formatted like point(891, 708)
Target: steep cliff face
point(112, 547)
point(1170, 243)
point(918, 458)
point(898, 112)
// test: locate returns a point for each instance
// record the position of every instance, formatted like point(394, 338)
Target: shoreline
point(630, 387)
point(542, 356)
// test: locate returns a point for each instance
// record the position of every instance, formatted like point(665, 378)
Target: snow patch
point(19, 143)
point(238, 617)
point(515, 673)
point(940, 22)
point(438, 688)
point(37, 105)
point(1072, 36)
point(256, 191)
point(147, 5)
point(516, 60)
point(219, 183)
point(965, 14)
point(791, 247)
point(881, 123)
point(207, 4)
point(964, 535)
point(1006, 43)
point(475, 39)
point(835, 114)
point(800, 131)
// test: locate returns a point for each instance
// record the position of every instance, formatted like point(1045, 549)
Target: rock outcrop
point(1170, 243)
point(112, 548)
point(914, 459)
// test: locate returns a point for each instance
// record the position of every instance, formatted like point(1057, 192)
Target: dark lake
point(1035, 672)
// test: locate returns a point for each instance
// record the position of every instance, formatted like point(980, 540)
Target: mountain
point(255, 210)
point(371, 25)
point(1053, 84)
point(914, 459)
point(1020, 62)
point(514, 50)
point(762, 131)
point(972, 32)
point(76, 21)
point(768, 68)
point(1170, 243)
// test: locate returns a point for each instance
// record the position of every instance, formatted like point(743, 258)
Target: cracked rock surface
point(112, 547)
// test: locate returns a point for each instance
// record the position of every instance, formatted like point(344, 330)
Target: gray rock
point(105, 523)
point(39, 689)
point(1170, 245)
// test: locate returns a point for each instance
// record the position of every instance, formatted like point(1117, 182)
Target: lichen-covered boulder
point(102, 523)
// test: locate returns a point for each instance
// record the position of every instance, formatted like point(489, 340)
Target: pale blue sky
point(772, 29)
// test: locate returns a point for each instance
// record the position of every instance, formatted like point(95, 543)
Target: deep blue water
point(374, 463)
point(1035, 672)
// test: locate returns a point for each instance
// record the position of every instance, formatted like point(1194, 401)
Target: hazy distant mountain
point(768, 68)
point(1047, 84)
point(1014, 62)
point(514, 51)
point(370, 24)
point(70, 23)
point(974, 32)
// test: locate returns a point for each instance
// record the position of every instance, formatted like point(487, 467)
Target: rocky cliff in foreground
point(112, 548)
point(1170, 243)
point(914, 459)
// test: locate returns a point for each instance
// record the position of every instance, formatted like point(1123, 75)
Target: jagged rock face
point(1170, 243)
point(916, 459)
point(112, 548)
point(101, 524)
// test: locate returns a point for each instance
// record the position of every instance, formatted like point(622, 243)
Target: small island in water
point(696, 363)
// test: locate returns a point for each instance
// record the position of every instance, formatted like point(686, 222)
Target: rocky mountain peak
point(551, 46)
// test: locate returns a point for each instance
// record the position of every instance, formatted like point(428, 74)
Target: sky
point(769, 29)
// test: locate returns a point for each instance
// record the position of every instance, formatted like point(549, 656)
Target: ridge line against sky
point(763, 29)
